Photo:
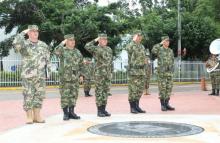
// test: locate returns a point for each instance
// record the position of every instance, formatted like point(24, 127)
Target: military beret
point(32, 27)
point(165, 38)
point(69, 36)
point(138, 32)
point(102, 35)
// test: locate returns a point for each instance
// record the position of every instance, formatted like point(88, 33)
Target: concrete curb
point(115, 85)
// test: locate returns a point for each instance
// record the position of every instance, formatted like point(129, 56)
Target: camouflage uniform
point(102, 73)
point(36, 57)
point(88, 75)
point(136, 74)
point(71, 63)
point(165, 71)
point(148, 72)
point(214, 75)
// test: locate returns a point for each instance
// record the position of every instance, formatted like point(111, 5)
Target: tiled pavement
point(193, 106)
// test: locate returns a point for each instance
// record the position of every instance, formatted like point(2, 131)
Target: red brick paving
point(12, 115)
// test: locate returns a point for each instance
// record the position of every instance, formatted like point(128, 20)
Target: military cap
point(138, 32)
point(32, 27)
point(102, 35)
point(165, 38)
point(69, 36)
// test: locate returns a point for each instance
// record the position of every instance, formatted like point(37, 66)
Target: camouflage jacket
point(35, 57)
point(211, 63)
point(165, 58)
point(136, 58)
point(71, 63)
point(88, 70)
point(103, 58)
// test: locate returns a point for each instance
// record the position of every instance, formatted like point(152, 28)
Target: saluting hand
point(135, 37)
point(25, 31)
point(97, 39)
point(64, 42)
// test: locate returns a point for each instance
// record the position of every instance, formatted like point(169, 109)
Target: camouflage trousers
point(69, 93)
point(102, 87)
point(33, 92)
point(87, 84)
point(165, 85)
point(215, 79)
point(147, 81)
point(135, 87)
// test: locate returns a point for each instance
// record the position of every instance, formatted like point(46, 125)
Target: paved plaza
point(193, 107)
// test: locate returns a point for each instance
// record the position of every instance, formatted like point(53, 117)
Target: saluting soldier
point(35, 62)
point(165, 69)
point(136, 71)
point(103, 66)
point(214, 75)
point(71, 63)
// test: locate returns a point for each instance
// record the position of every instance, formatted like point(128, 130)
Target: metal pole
point(179, 40)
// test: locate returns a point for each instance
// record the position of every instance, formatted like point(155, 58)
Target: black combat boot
point(138, 107)
point(65, 113)
point(104, 111)
point(133, 107)
point(86, 93)
point(100, 111)
point(217, 93)
point(163, 105)
point(168, 106)
point(109, 94)
point(213, 92)
point(89, 93)
point(72, 114)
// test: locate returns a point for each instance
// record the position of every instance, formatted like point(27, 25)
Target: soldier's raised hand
point(64, 42)
point(135, 37)
point(97, 39)
point(25, 31)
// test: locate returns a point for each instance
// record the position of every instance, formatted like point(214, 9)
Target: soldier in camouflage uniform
point(103, 60)
point(36, 60)
point(136, 71)
point(148, 73)
point(88, 74)
point(214, 75)
point(71, 63)
point(165, 71)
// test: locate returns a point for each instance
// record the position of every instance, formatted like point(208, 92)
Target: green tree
point(57, 18)
point(4, 49)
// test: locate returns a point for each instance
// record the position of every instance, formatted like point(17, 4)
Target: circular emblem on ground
point(145, 129)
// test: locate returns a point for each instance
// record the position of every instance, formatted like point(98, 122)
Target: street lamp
point(179, 39)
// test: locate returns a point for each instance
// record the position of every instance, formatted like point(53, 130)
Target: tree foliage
point(200, 21)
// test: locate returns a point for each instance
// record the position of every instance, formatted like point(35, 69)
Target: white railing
point(190, 71)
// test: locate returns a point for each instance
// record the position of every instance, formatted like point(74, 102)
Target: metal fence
point(186, 71)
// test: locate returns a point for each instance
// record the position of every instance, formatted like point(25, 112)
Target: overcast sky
point(105, 2)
